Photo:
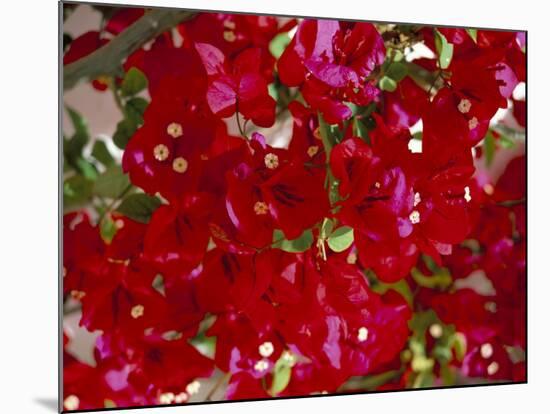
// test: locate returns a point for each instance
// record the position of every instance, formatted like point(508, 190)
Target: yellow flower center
point(317, 133)
point(77, 294)
point(260, 208)
point(311, 151)
point(229, 36)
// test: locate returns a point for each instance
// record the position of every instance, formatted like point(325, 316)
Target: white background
point(28, 204)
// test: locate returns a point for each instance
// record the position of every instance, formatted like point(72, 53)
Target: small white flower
point(180, 165)
point(174, 130)
point(414, 217)
point(181, 398)
point(436, 330)
point(473, 123)
point(464, 106)
point(161, 152)
point(166, 398)
point(261, 366)
point(493, 367)
point(362, 334)
point(467, 195)
point(71, 403)
point(486, 351)
point(266, 349)
point(271, 161)
point(137, 311)
point(289, 358)
point(193, 387)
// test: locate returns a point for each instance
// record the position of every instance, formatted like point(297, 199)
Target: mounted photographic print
point(261, 207)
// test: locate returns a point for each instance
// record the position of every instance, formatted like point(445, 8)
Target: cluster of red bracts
point(224, 196)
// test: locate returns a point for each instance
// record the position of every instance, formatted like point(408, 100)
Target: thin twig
point(107, 60)
point(223, 378)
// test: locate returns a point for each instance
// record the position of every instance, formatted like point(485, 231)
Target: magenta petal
point(222, 97)
point(212, 58)
point(334, 75)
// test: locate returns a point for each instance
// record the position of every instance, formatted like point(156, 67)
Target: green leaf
point(387, 84)
point(444, 50)
point(112, 183)
point(326, 228)
point(76, 190)
point(370, 382)
point(326, 135)
point(421, 363)
point(124, 131)
point(489, 148)
point(506, 142)
point(459, 345)
point(424, 379)
point(473, 34)
point(109, 403)
point(86, 168)
point(442, 353)
point(134, 82)
point(361, 130)
point(448, 375)
point(397, 71)
point(440, 279)
point(278, 44)
point(102, 154)
point(73, 147)
point(107, 229)
point(139, 207)
point(422, 77)
point(79, 123)
point(301, 244)
point(401, 287)
point(281, 376)
point(398, 55)
point(340, 239)
point(135, 108)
